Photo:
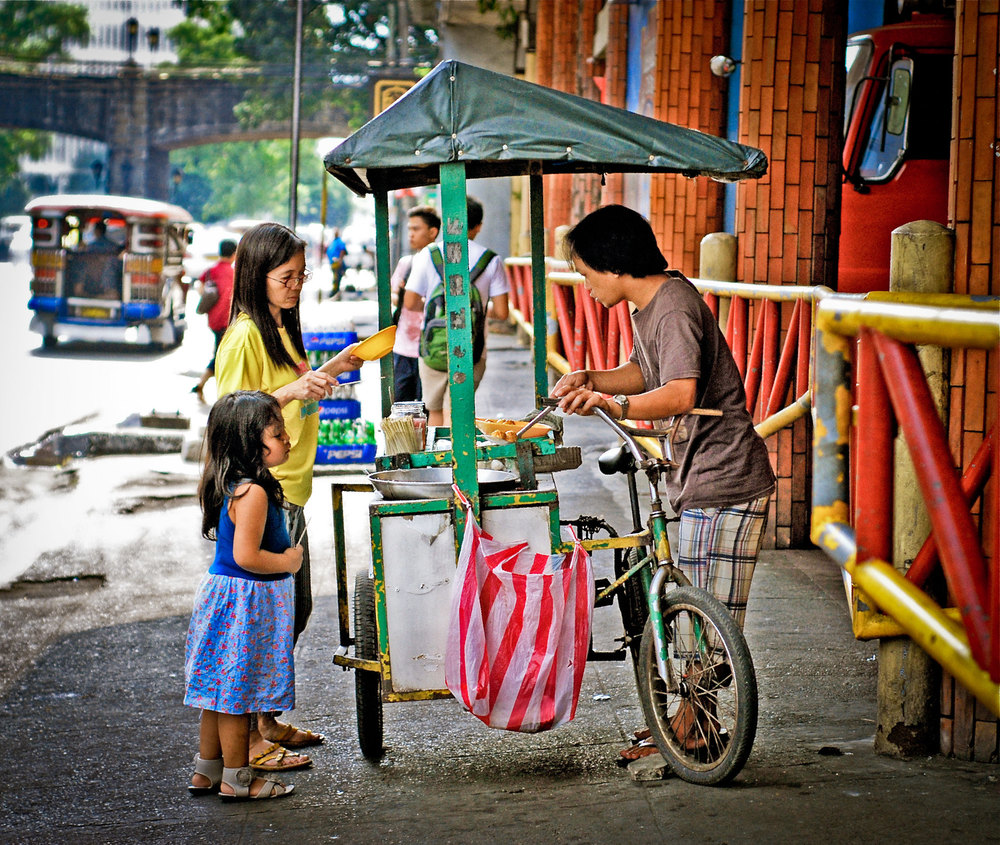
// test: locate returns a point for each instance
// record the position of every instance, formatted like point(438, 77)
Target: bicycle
point(696, 679)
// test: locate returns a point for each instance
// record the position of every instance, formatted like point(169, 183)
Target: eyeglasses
point(292, 282)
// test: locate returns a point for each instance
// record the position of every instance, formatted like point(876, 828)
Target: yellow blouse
point(242, 363)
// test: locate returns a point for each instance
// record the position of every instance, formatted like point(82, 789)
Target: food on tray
point(506, 430)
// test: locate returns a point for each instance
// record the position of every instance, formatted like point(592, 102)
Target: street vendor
point(680, 361)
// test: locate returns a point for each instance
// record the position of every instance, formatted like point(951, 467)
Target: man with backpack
point(424, 293)
point(422, 228)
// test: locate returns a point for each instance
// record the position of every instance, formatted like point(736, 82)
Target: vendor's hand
point(583, 401)
point(343, 362)
point(311, 385)
point(571, 381)
point(293, 556)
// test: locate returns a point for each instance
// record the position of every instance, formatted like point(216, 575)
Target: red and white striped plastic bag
point(519, 632)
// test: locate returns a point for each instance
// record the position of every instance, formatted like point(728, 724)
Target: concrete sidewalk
point(98, 745)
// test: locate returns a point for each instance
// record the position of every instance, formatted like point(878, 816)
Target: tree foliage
point(251, 179)
point(32, 32)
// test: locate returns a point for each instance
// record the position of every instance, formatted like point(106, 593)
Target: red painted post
point(593, 326)
point(580, 325)
point(737, 339)
point(874, 444)
point(958, 542)
point(751, 382)
point(973, 480)
point(561, 297)
point(805, 338)
point(614, 338)
point(783, 377)
point(771, 318)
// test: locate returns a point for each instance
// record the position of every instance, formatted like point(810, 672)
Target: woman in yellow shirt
point(263, 350)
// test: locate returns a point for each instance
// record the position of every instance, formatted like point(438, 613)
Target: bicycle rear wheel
point(703, 718)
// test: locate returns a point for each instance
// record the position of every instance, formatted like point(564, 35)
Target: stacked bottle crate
point(344, 437)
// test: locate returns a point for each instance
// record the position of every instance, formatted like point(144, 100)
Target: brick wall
point(791, 107)
point(615, 72)
point(968, 730)
point(683, 211)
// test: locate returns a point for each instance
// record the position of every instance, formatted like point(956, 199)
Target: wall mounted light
point(723, 65)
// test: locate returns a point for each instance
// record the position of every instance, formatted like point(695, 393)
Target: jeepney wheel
point(367, 685)
point(49, 341)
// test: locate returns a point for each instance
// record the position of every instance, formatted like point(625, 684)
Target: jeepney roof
point(502, 126)
point(124, 206)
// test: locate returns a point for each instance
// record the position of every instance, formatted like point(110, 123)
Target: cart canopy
point(501, 126)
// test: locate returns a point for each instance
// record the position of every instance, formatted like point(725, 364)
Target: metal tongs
point(546, 404)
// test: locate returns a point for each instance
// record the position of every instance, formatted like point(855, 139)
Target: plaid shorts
point(717, 550)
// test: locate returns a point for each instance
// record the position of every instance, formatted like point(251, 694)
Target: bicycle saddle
point(616, 459)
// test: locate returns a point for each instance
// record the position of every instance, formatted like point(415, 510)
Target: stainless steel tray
point(434, 482)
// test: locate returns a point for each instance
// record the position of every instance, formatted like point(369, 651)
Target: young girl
point(239, 644)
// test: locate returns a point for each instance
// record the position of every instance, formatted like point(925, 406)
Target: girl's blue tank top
point(275, 539)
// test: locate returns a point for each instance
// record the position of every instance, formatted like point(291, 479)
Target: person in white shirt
point(423, 227)
point(424, 277)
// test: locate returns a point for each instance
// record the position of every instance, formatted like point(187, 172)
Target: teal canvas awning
point(501, 126)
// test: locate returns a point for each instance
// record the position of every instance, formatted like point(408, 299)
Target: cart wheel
point(367, 685)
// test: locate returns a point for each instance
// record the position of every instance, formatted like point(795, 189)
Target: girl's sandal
point(211, 770)
point(240, 780)
point(274, 758)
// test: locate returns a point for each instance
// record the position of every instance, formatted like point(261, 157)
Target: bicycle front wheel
point(703, 717)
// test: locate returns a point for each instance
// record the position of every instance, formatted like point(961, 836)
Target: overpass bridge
point(144, 113)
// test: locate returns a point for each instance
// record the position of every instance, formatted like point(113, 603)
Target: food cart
point(460, 123)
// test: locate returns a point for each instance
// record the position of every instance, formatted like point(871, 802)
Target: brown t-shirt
point(722, 461)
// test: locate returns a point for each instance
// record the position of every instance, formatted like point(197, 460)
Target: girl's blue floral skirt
point(239, 655)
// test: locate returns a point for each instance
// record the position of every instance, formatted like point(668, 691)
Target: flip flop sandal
point(641, 734)
point(240, 781)
point(211, 769)
point(289, 731)
point(641, 749)
point(272, 759)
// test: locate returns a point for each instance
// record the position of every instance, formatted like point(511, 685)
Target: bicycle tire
point(367, 685)
point(704, 719)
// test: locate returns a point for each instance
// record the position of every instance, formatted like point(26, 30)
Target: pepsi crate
point(345, 453)
point(339, 409)
point(330, 342)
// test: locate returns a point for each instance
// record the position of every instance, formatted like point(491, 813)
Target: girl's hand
point(293, 556)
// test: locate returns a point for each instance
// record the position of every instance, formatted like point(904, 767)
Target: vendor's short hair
point(616, 239)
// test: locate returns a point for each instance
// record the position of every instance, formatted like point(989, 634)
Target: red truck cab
point(897, 133)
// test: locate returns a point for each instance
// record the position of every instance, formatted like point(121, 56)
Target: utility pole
point(293, 209)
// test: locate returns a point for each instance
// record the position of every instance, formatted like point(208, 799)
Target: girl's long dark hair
point(261, 249)
point(234, 447)
point(616, 239)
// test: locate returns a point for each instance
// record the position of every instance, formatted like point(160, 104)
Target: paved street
point(99, 744)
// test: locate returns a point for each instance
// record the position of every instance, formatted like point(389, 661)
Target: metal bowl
point(434, 482)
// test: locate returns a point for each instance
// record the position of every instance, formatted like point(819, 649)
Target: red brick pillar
point(683, 211)
point(559, 189)
point(791, 107)
point(968, 730)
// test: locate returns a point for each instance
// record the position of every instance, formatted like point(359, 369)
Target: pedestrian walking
point(263, 350)
point(239, 657)
point(217, 297)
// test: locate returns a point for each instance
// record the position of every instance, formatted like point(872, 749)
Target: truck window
point(858, 58)
point(917, 128)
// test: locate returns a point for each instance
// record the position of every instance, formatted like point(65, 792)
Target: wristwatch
point(622, 400)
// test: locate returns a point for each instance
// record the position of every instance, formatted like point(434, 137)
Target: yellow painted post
point(717, 261)
point(921, 261)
